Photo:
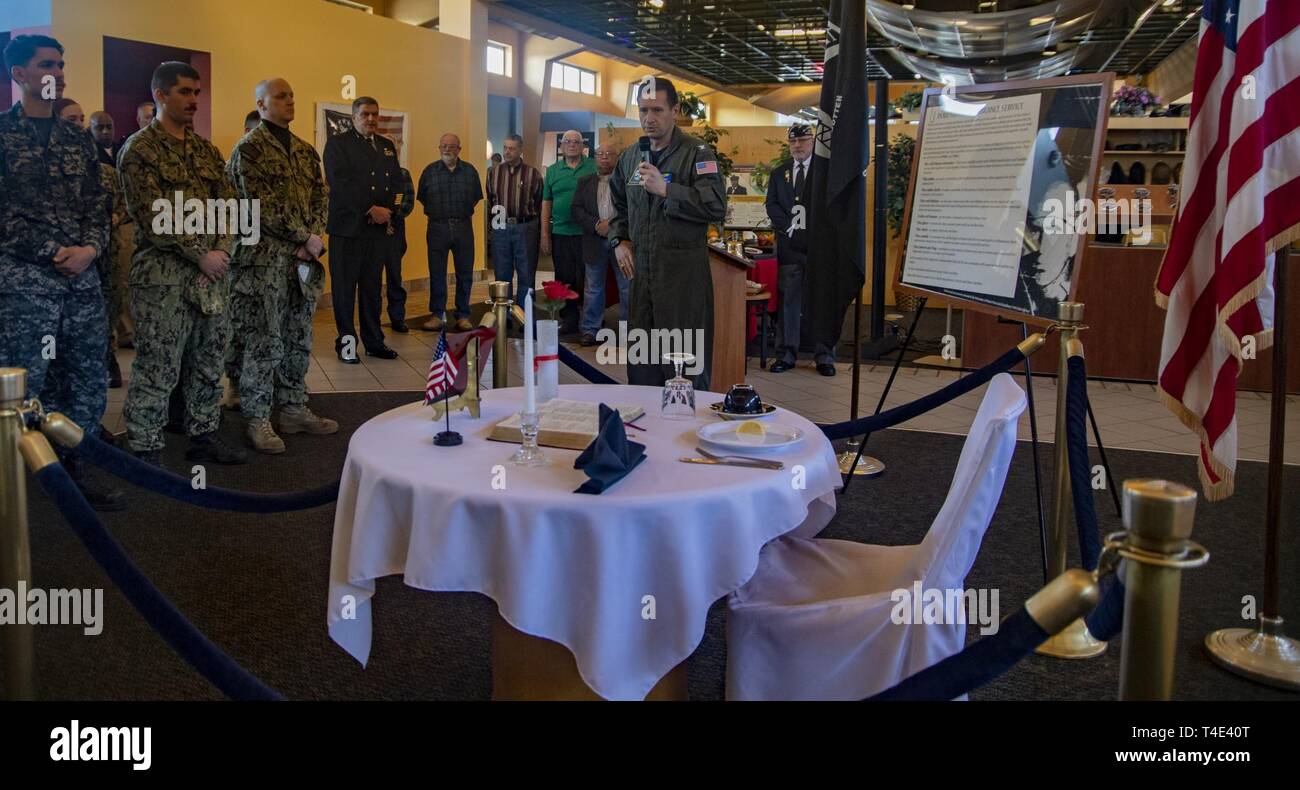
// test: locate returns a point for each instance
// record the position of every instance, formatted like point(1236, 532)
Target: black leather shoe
point(400, 327)
point(826, 368)
point(352, 360)
point(383, 352)
point(209, 447)
point(780, 366)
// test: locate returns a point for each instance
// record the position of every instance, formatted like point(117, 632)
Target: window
point(574, 79)
point(498, 59)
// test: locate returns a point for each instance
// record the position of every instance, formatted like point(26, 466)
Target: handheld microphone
point(645, 149)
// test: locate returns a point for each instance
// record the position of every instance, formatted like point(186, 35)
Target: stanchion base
point(1271, 659)
point(867, 467)
point(1073, 642)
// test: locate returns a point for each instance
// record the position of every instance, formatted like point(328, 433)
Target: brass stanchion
point(15, 548)
point(1074, 641)
point(1155, 550)
point(499, 301)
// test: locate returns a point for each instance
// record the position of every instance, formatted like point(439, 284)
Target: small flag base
point(447, 439)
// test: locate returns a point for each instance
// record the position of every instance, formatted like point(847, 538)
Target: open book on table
point(569, 424)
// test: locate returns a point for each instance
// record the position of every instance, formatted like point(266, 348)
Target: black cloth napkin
point(610, 456)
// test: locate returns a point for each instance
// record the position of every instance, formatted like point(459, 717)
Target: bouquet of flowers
point(552, 297)
point(1131, 100)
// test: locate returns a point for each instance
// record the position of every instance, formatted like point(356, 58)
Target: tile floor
point(1128, 415)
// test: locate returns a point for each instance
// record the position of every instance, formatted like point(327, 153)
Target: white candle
point(530, 397)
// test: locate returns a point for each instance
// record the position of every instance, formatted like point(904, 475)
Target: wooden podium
point(729, 275)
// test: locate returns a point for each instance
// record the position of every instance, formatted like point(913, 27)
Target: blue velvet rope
point(211, 661)
point(900, 414)
point(979, 663)
point(1107, 620)
point(583, 368)
point(1076, 446)
point(161, 481)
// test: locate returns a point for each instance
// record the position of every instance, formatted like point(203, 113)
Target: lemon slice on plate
point(751, 432)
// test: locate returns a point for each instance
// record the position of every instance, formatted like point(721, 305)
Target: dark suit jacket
point(359, 177)
point(791, 249)
point(586, 212)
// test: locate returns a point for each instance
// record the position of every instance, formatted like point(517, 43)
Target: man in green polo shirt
point(561, 234)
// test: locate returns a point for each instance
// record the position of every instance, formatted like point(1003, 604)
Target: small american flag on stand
point(442, 371)
point(1239, 203)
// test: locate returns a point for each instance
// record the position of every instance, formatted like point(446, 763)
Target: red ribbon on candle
point(538, 360)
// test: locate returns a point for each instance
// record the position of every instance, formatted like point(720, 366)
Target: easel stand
point(1266, 655)
point(873, 466)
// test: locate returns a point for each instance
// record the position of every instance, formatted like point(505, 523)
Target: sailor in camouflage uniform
point(179, 281)
point(53, 225)
point(277, 281)
point(109, 278)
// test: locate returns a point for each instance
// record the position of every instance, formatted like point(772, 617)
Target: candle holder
point(528, 453)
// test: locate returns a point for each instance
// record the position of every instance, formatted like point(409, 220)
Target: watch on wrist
point(614, 242)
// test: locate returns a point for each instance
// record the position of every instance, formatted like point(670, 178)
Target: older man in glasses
point(561, 233)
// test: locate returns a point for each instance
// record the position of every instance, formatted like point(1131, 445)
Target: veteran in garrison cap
point(179, 274)
point(278, 280)
point(788, 203)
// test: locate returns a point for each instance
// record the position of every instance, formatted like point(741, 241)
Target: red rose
point(558, 291)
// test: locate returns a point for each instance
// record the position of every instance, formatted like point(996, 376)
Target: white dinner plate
point(768, 411)
point(724, 434)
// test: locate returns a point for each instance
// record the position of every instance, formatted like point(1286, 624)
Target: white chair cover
point(814, 621)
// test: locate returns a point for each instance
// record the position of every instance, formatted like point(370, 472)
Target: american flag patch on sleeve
point(705, 168)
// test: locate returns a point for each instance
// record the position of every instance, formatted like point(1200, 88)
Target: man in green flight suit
point(665, 195)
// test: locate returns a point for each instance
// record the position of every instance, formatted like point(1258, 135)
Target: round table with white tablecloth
point(624, 579)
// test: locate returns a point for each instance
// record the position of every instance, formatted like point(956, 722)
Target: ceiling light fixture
point(657, 3)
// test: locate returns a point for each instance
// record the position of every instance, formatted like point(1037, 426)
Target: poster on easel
point(997, 181)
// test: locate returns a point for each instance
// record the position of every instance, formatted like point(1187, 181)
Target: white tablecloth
point(573, 568)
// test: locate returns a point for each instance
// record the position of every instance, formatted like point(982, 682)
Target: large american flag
point(442, 371)
point(1240, 202)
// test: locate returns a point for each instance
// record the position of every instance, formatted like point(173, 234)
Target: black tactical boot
point(208, 447)
point(101, 497)
point(149, 457)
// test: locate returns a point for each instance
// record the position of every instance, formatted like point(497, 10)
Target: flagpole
point(1266, 655)
point(447, 438)
point(851, 461)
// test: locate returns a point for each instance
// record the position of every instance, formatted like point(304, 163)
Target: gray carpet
point(257, 585)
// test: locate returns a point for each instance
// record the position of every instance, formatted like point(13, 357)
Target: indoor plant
point(1133, 100)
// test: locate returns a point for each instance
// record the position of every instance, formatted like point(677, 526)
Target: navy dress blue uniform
point(792, 251)
point(361, 173)
point(405, 200)
point(55, 326)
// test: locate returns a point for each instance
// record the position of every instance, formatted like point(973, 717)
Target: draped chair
point(814, 621)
